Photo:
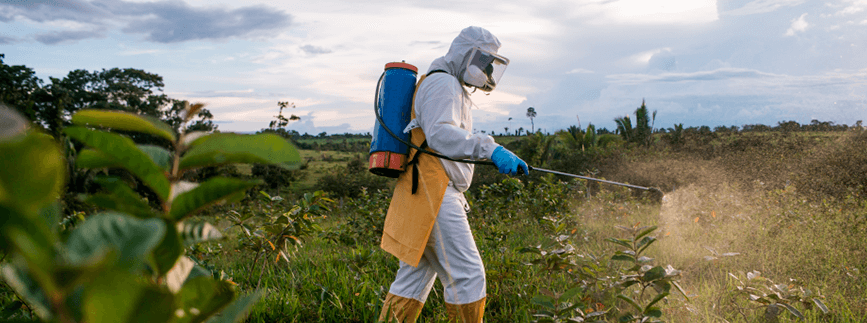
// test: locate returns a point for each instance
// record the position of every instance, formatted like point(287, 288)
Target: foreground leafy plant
point(125, 264)
point(271, 227)
point(643, 275)
point(573, 305)
point(773, 298)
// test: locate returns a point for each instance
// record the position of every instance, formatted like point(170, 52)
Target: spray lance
point(388, 151)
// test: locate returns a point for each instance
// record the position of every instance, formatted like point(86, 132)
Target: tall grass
point(715, 222)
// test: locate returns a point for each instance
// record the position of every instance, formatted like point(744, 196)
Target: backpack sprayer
point(393, 104)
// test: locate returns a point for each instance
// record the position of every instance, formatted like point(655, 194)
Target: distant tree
point(536, 149)
point(575, 139)
point(520, 131)
point(788, 126)
point(641, 133)
point(720, 129)
point(17, 85)
point(506, 132)
point(174, 118)
point(675, 135)
point(531, 113)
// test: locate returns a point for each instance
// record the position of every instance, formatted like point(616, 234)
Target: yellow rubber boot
point(466, 313)
point(400, 309)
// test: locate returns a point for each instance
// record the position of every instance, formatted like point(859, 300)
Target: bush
point(351, 180)
point(363, 221)
point(838, 172)
point(276, 177)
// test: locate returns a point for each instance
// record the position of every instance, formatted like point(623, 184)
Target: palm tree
point(531, 113)
point(643, 130)
point(624, 127)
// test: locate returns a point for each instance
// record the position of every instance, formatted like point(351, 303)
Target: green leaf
point(227, 148)
point(821, 305)
point(655, 300)
point(644, 243)
point(645, 232)
point(121, 198)
point(11, 309)
point(28, 289)
point(133, 238)
point(119, 120)
point(119, 296)
point(792, 310)
point(629, 282)
point(215, 190)
point(193, 233)
point(34, 241)
point(622, 242)
point(95, 159)
point(202, 297)
point(125, 152)
point(631, 302)
point(622, 256)
point(544, 301)
point(653, 312)
point(569, 294)
point(236, 311)
point(653, 274)
point(167, 253)
point(32, 172)
point(160, 156)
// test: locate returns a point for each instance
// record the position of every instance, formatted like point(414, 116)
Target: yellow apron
point(411, 217)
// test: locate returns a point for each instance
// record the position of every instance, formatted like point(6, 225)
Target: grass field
point(712, 225)
point(745, 219)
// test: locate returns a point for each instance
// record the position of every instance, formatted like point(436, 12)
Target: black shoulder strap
point(436, 71)
point(414, 163)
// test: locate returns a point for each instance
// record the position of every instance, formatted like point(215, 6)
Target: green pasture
point(715, 225)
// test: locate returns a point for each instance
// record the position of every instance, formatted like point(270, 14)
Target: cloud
point(48, 10)
point(856, 6)
point(580, 70)
point(162, 22)
point(762, 6)
point(718, 74)
point(7, 40)
point(58, 37)
point(798, 25)
point(314, 50)
point(170, 22)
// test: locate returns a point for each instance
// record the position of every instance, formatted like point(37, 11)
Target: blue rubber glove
point(508, 163)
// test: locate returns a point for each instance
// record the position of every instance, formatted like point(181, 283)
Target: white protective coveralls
point(442, 109)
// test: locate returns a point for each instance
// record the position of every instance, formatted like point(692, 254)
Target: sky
point(695, 62)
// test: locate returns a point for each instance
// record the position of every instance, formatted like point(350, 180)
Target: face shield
point(484, 69)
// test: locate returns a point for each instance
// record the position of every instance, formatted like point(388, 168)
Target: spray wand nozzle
point(655, 193)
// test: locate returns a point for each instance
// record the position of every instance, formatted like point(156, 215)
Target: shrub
point(838, 172)
point(351, 180)
point(363, 219)
point(126, 263)
point(276, 177)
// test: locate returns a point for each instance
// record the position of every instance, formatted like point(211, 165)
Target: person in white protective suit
point(426, 226)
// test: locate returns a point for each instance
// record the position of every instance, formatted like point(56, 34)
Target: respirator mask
point(484, 69)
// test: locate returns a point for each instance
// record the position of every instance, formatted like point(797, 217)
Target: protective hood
point(455, 61)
